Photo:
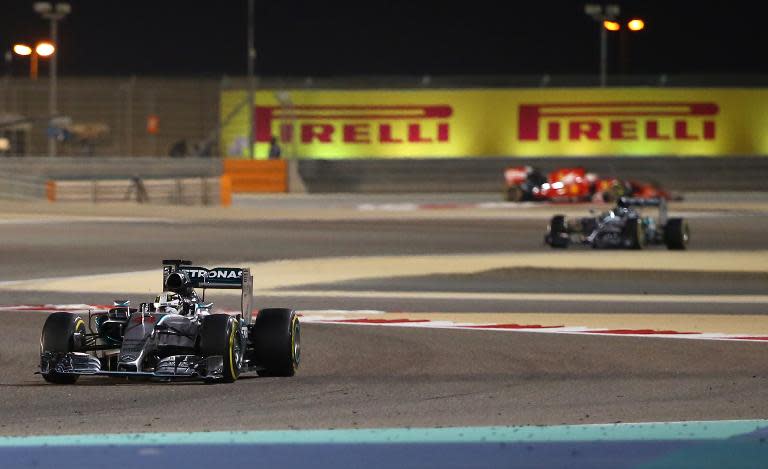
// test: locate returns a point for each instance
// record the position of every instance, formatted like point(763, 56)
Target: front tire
point(62, 333)
point(634, 234)
point(557, 233)
point(676, 234)
point(220, 335)
point(276, 337)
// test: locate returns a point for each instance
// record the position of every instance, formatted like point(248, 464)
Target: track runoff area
point(438, 332)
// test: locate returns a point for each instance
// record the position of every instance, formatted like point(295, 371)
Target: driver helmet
point(168, 302)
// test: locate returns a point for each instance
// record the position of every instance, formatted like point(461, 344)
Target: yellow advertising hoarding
point(500, 122)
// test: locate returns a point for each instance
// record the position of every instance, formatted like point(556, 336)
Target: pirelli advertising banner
point(500, 122)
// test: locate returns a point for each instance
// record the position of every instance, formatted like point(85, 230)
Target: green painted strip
point(667, 431)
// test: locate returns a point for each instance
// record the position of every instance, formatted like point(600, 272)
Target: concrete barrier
point(486, 174)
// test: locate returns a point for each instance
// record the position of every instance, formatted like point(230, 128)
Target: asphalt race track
point(366, 376)
point(356, 376)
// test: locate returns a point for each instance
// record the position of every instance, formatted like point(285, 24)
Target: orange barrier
point(225, 191)
point(257, 176)
point(50, 190)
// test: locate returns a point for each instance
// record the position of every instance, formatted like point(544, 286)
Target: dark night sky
point(293, 37)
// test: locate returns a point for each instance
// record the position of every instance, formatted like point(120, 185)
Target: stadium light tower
point(606, 17)
point(54, 13)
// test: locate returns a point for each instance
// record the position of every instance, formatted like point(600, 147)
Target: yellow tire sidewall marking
point(78, 323)
point(232, 351)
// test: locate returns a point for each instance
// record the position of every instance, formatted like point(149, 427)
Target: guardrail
point(179, 191)
point(22, 187)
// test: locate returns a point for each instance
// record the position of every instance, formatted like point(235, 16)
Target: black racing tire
point(276, 338)
point(514, 194)
point(220, 335)
point(557, 233)
point(59, 337)
point(634, 233)
point(676, 234)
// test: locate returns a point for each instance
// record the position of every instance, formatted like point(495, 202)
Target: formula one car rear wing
point(228, 278)
point(639, 202)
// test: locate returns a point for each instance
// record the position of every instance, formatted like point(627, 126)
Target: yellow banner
point(491, 122)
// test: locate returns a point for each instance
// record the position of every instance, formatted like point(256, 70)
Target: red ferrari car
point(526, 183)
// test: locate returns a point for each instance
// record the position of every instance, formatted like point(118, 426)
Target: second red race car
point(526, 183)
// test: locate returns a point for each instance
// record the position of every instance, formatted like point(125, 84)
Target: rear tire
point(220, 335)
point(557, 233)
point(676, 234)
point(59, 337)
point(276, 337)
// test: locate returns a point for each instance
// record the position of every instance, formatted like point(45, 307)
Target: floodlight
point(22, 49)
point(612, 10)
point(593, 9)
point(43, 7)
point(45, 49)
point(636, 24)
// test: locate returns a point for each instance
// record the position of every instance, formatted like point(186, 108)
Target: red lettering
point(528, 121)
point(557, 115)
point(709, 130)
point(321, 132)
point(442, 132)
point(357, 133)
point(414, 134)
point(681, 131)
point(553, 131)
point(652, 131)
point(623, 130)
point(385, 134)
point(589, 129)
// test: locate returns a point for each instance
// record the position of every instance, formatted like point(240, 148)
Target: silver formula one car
point(176, 336)
point(622, 227)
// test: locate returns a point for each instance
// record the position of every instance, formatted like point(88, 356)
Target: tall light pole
point(54, 13)
point(606, 17)
point(251, 66)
